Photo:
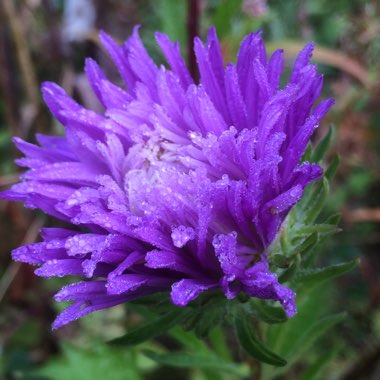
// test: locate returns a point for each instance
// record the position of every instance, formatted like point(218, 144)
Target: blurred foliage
point(347, 37)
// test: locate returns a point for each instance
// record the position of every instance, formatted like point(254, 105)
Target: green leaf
point(280, 261)
point(308, 155)
point(332, 168)
point(152, 328)
point(323, 146)
point(263, 312)
point(209, 319)
point(223, 15)
point(315, 202)
point(305, 244)
point(315, 370)
point(197, 360)
point(188, 339)
point(173, 19)
point(311, 277)
point(321, 229)
point(333, 219)
point(96, 363)
point(289, 273)
point(249, 341)
point(314, 332)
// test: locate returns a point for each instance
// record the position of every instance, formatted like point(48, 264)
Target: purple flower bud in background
point(177, 186)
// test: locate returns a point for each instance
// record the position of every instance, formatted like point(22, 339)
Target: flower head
point(177, 186)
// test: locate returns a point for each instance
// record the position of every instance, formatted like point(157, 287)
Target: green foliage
point(320, 363)
point(252, 344)
point(152, 328)
point(198, 360)
point(99, 362)
point(172, 14)
point(310, 277)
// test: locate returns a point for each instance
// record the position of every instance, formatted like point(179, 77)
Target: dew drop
point(181, 235)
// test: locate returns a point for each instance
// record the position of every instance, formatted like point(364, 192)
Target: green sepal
point(251, 344)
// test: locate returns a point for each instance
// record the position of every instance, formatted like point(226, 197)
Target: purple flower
point(177, 186)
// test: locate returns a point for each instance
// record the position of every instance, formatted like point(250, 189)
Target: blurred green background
point(49, 40)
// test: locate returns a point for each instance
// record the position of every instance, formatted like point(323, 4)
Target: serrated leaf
point(197, 360)
point(250, 342)
point(323, 146)
point(152, 328)
point(315, 276)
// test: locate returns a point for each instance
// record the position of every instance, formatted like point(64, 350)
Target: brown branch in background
point(361, 215)
point(9, 179)
point(23, 54)
point(54, 34)
point(193, 13)
point(7, 84)
point(13, 268)
point(328, 57)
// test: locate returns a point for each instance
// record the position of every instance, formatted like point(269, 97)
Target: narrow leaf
point(263, 312)
point(333, 219)
point(315, 203)
point(289, 273)
point(322, 229)
point(316, 330)
point(332, 168)
point(323, 146)
point(316, 276)
point(152, 328)
point(304, 245)
point(249, 341)
point(209, 319)
point(315, 370)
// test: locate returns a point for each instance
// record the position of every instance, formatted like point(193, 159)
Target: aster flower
point(177, 187)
